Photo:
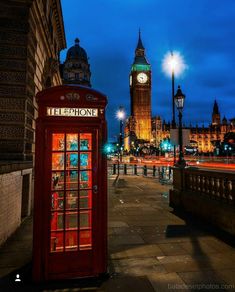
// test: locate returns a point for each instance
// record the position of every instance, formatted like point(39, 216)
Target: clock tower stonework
point(140, 92)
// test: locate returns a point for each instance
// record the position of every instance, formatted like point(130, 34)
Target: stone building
point(160, 131)
point(203, 138)
point(31, 38)
point(142, 130)
point(76, 69)
point(138, 126)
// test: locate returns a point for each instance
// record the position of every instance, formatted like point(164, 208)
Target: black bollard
point(145, 170)
point(169, 172)
point(159, 174)
point(114, 168)
point(154, 171)
point(125, 169)
point(135, 169)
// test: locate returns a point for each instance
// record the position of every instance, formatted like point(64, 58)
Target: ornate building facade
point(31, 37)
point(76, 69)
point(203, 138)
point(138, 127)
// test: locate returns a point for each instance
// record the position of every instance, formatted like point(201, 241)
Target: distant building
point(138, 127)
point(76, 69)
point(142, 130)
point(203, 138)
point(160, 131)
point(206, 137)
point(31, 37)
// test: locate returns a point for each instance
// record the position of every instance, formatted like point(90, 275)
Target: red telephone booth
point(70, 203)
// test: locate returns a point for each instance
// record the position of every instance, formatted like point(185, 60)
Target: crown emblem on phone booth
point(91, 97)
point(72, 96)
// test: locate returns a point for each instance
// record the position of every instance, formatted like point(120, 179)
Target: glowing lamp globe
point(173, 62)
point(121, 115)
point(179, 99)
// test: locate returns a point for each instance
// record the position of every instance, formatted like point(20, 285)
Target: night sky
point(203, 31)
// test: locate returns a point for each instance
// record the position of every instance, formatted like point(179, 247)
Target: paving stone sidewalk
point(150, 247)
point(148, 242)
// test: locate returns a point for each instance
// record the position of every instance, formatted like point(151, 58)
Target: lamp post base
point(180, 163)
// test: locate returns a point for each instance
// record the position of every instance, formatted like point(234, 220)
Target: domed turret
point(76, 52)
point(76, 69)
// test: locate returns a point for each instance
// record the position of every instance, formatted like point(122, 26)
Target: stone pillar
point(178, 187)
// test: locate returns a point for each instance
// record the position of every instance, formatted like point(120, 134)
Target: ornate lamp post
point(121, 116)
point(173, 65)
point(179, 102)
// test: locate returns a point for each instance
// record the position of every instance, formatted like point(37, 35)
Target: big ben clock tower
point(140, 91)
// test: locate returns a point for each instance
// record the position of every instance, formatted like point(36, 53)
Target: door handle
point(95, 189)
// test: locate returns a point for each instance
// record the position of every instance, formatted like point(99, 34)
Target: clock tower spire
point(140, 92)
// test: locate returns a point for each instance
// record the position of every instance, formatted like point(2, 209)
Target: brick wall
point(15, 196)
point(10, 207)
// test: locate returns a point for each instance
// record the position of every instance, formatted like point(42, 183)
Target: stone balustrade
point(207, 194)
point(216, 185)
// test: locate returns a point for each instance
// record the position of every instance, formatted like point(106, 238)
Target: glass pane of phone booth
point(71, 192)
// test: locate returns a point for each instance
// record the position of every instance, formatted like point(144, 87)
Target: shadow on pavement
point(196, 229)
point(198, 224)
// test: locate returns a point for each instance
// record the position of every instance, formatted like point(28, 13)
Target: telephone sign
point(72, 112)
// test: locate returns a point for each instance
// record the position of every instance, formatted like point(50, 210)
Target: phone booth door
point(72, 186)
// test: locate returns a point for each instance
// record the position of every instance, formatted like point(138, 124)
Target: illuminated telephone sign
point(72, 112)
point(70, 203)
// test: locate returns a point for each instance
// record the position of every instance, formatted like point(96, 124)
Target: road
point(208, 163)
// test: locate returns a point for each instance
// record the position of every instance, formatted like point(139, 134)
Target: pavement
point(151, 248)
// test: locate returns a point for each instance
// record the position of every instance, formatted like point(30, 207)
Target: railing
point(207, 194)
point(163, 173)
point(216, 185)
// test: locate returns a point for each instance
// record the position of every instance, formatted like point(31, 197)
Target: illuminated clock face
point(131, 80)
point(142, 78)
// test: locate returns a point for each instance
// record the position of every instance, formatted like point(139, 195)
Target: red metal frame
point(85, 262)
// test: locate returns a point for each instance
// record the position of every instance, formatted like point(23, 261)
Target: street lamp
point(121, 116)
point(179, 102)
point(173, 65)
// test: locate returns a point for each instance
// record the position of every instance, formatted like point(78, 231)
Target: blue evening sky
point(203, 31)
